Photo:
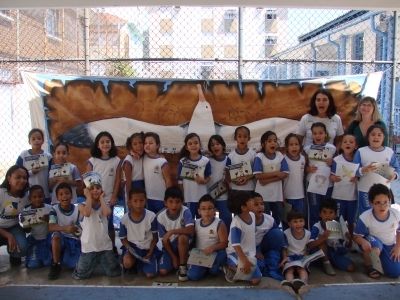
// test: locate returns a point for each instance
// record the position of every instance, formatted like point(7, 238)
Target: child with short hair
point(37, 175)
point(242, 239)
point(297, 239)
point(38, 253)
point(335, 250)
point(377, 230)
point(64, 224)
point(269, 240)
point(211, 237)
point(138, 234)
point(175, 228)
point(97, 248)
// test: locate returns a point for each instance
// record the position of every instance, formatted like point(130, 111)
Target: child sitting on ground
point(138, 234)
point(335, 249)
point(211, 237)
point(97, 248)
point(377, 230)
point(241, 249)
point(64, 223)
point(175, 228)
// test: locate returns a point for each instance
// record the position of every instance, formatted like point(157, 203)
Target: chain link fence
point(205, 43)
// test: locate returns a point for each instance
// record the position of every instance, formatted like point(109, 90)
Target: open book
point(338, 230)
point(34, 216)
point(217, 189)
point(190, 171)
point(242, 169)
point(198, 258)
point(36, 161)
point(60, 170)
point(305, 261)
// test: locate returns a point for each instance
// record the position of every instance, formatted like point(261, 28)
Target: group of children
point(265, 192)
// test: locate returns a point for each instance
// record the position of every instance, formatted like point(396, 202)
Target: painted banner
point(74, 109)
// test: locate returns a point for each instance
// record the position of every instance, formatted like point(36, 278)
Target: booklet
point(384, 169)
point(240, 275)
point(91, 178)
point(36, 162)
point(60, 170)
point(305, 261)
point(190, 171)
point(217, 189)
point(198, 258)
point(338, 230)
point(34, 216)
point(242, 169)
point(318, 152)
point(319, 181)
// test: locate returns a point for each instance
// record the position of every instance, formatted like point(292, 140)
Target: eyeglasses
point(386, 203)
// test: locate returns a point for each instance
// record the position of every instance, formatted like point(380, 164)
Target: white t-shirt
point(261, 229)
point(40, 231)
point(317, 154)
point(153, 177)
point(235, 158)
point(297, 246)
point(165, 222)
point(350, 188)
point(333, 125)
point(207, 235)
point(244, 235)
point(293, 185)
point(137, 167)
point(10, 208)
point(65, 218)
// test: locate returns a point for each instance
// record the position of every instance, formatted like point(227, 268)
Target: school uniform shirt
point(94, 236)
point(385, 231)
point(218, 168)
point(107, 168)
point(40, 231)
point(75, 175)
point(42, 177)
point(293, 185)
point(207, 235)
point(244, 235)
point(10, 208)
point(165, 222)
point(365, 156)
point(350, 192)
point(317, 153)
point(192, 191)
point(297, 246)
point(137, 167)
point(271, 192)
point(265, 225)
point(139, 233)
point(65, 217)
point(235, 158)
point(153, 177)
point(333, 125)
point(318, 230)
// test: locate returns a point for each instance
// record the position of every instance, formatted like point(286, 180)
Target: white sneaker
point(182, 273)
point(229, 274)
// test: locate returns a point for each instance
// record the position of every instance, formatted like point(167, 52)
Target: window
point(230, 51)
point(53, 23)
point(230, 21)
point(166, 51)
point(357, 53)
point(207, 25)
point(207, 51)
point(166, 26)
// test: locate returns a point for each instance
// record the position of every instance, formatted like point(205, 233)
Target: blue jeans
point(198, 272)
point(20, 236)
point(102, 261)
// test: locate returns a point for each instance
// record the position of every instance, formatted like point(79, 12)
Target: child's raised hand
point(86, 192)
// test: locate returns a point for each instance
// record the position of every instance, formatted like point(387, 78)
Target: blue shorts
point(363, 202)
point(390, 267)
point(297, 204)
point(70, 250)
point(339, 259)
point(147, 268)
point(232, 261)
point(347, 209)
point(38, 253)
point(155, 205)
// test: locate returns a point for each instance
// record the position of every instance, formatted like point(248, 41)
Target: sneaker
point(328, 269)
point(15, 261)
point(182, 273)
point(55, 271)
point(297, 284)
point(286, 283)
point(229, 274)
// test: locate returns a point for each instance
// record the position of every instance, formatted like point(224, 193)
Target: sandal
point(372, 273)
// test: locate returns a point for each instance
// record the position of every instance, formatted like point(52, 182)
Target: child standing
point(335, 249)
point(347, 200)
point(269, 240)
point(319, 155)
point(211, 237)
point(64, 224)
point(156, 172)
point(138, 234)
point(368, 157)
point(37, 174)
point(270, 168)
point(293, 185)
point(242, 155)
point(378, 231)
point(38, 253)
point(194, 172)
point(133, 163)
point(297, 239)
point(13, 199)
point(175, 228)
point(97, 248)
point(241, 249)
point(105, 161)
point(217, 148)
point(73, 177)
